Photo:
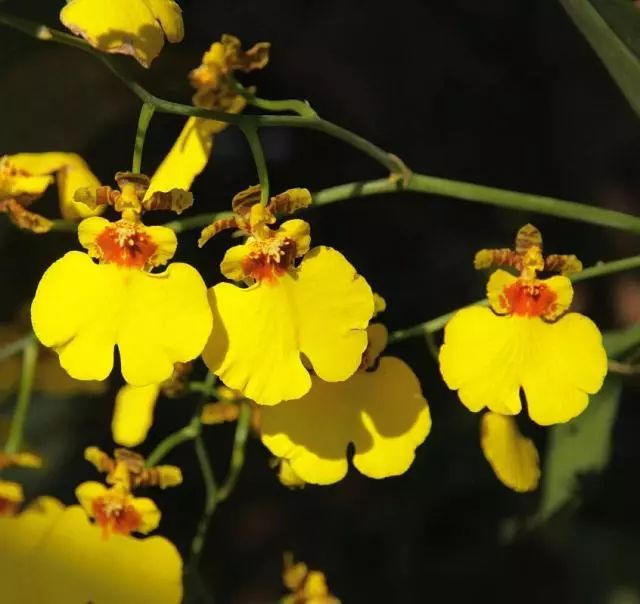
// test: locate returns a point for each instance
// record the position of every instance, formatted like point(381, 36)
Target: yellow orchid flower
point(11, 494)
point(526, 340)
point(128, 469)
point(54, 554)
point(306, 586)
point(116, 511)
point(382, 412)
point(513, 457)
point(83, 309)
point(319, 309)
point(214, 90)
point(131, 27)
point(25, 177)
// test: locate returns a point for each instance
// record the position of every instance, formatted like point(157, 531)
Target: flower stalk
point(146, 113)
point(29, 361)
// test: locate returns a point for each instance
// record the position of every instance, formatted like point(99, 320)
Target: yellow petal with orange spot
point(321, 310)
point(10, 492)
point(489, 358)
point(496, 285)
point(83, 310)
point(299, 232)
point(149, 514)
point(54, 554)
point(88, 492)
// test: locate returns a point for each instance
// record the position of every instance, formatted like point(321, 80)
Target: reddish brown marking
point(126, 246)
point(7, 507)
point(266, 267)
point(529, 299)
point(121, 520)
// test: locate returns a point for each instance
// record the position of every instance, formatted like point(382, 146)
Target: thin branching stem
point(433, 325)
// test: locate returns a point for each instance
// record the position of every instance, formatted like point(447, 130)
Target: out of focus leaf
point(579, 447)
point(622, 341)
point(612, 28)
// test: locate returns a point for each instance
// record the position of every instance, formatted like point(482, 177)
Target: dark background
point(500, 92)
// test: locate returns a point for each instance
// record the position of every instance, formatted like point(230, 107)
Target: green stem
point(15, 347)
point(211, 501)
point(64, 226)
point(165, 446)
point(194, 222)
point(607, 268)
point(189, 432)
point(410, 182)
point(237, 454)
point(294, 105)
point(599, 270)
point(146, 113)
point(163, 106)
point(502, 198)
point(29, 361)
point(215, 494)
point(255, 145)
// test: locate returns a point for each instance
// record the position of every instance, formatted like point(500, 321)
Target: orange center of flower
point(126, 244)
point(7, 507)
point(529, 299)
point(269, 259)
point(114, 515)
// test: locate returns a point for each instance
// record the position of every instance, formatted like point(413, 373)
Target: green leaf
point(612, 28)
point(579, 447)
point(622, 341)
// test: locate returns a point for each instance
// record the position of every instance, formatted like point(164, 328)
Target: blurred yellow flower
point(116, 511)
point(214, 90)
point(525, 340)
point(84, 309)
point(11, 494)
point(286, 475)
point(319, 309)
point(306, 586)
point(114, 508)
point(513, 457)
point(22, 460)
point(26, 176)
point(131, 27)
point(381, 411)
point(128, 468)
point(53, 554)
point(11, 497)
point(219, 412)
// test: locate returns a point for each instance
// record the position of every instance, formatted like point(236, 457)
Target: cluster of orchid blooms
point(293, 330)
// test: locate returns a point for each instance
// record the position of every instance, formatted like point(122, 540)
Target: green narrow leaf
point(579, 447)
point(612, 28)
